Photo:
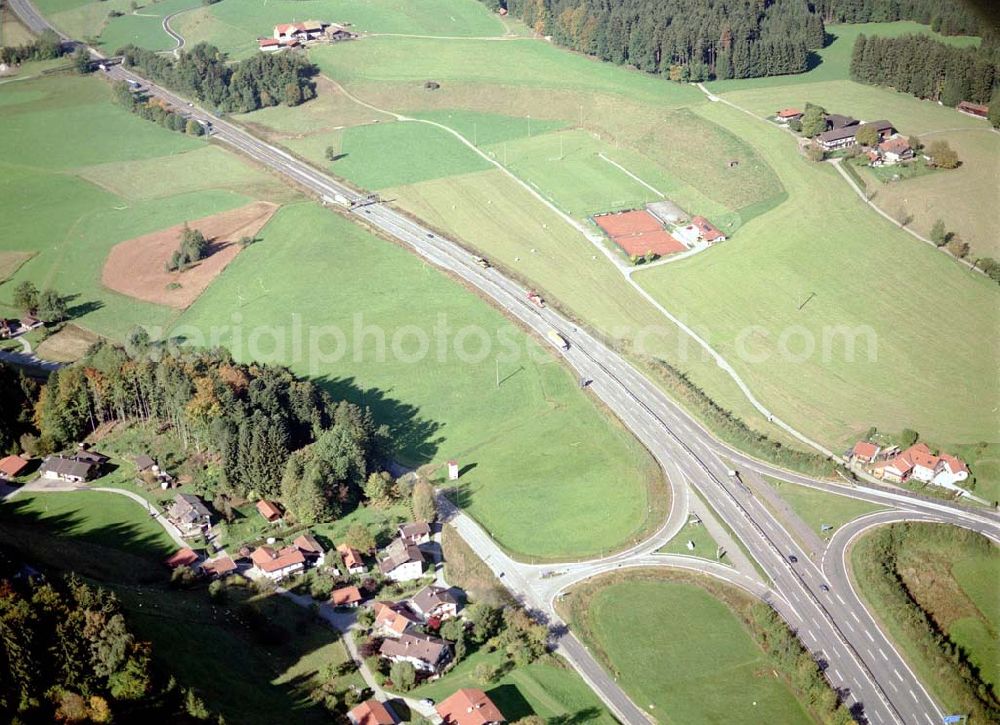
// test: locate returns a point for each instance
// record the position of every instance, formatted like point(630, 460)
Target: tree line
point(927, 68)
point(153, 109)
point(67, 655)
point(46, 47)
point(954, 18)
point(259, 81)
point(17, 400)
point(269, 432)
point(687, 40)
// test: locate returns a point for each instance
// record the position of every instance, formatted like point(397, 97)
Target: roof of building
point(345, 595)
point(706, 228)
point(837, 120)
point(352, 557)
point(67, 467)
point(469, 706)
point(977, 108)
point(181, 557)
point(12, 465)
point(188, 507)
point(399, 553)
point(896, 145)
point(837, 134)
point(144, 462)
point(267, 42)
point(414, 529)
point(307, 544)
point(267, 559)
point(371, 712)
point(955, 465)
point(431, 596)
point(418, 646)
point(217, 567)
point(269, 510)
point(864, 449)
point(920, 455)
point(788, 113)
point(880, 125)
point(394, 616)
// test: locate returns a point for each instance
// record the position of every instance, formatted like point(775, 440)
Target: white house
point(402, 562)
point(425, 653)
point(917, 462)
point(432, 601)
point(276, 565)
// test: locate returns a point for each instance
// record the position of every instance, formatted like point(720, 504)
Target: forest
point(257, 82)
point(250, 419)
point(692, 40)
point(927, 68)
point(67, 655)
point(17, 400)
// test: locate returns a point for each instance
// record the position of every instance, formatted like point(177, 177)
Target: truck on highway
point(558, 340)
point(484, 263)
point(535, 298)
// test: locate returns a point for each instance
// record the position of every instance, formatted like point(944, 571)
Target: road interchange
point(816, 600)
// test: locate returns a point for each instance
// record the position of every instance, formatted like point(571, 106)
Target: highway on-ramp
point(835, 627)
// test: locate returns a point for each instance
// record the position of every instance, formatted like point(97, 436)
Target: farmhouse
point(415, 533)
point(835, 121)
point(346, 597)
point(425, 653)
point(352, 559)
point(974, 109)
point(11, 466)
point(71, 470)
point(30, 322)
point(893, 150)
point(189, 515)
point(840, 137)
point(788, 114)
point(402, 561)
point(707, 230)
point(311, 549)
point(918, 463)
point(290, 35)
point(392, 619)
point(469, 706)
point(372, 712)
point(432, 601)
point(269, 510)
point(220, 567)
point(276, 565)
point(864, 452)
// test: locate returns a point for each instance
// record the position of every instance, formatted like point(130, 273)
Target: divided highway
point(832, 622)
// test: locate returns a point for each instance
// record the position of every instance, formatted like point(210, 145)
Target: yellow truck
point(558, 340)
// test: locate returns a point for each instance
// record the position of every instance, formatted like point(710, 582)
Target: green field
point(825, 241)
point(235, 25)
point(78, 175)
point(818, 508)
point(438, 406)
point(835, 58)
point(705, 546)
point(679, 653)
point(953, 575)
point(104, 519)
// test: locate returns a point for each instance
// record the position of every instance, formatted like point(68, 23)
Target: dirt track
point(137, 267)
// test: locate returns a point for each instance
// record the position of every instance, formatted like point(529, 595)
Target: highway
point(816, 602)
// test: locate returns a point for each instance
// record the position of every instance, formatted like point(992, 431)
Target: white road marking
point(855, 617)
point(869, 634)
point(896, 673)
point(913, 695)
point(884, 656)
point(841, 600)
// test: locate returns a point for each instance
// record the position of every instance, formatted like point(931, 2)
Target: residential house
point(425, 653)
point(285, 33)
point(8, 328)
point(788, 114)
point(276, 565)
point(352, 559)
point(402, 562)
point(311, 549)
point(144, 463)
point(346, 597)
point(392, 619)
point(864, 452)
point(839, 137)
point(836, 120)
point(219, 567)
point(469, 706)
point(895, 149)
point(71, 470)
point(11, 466)
point(434, 601)
point(918, 463)
point(335, 33)
point(30, 322)
point(189, 515)
point(974, 109)
point(269, 510)
point(182, 557)
point(372, 712)
point(415, 533)
point(707, 230)
point(268, 45)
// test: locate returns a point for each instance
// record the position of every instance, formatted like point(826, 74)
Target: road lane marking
point(896, 673)
point(884, 656)
point(869, 634)
point(855, 617)
point(841, 600)
point(913, 695)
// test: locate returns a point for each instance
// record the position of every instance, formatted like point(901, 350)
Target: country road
point(833, 625)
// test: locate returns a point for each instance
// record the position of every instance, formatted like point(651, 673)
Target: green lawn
point(442, 405)
point(705, 546)
point(835, 58)
point(867, 275)
point(234, 25)
point(680, 653)
point(145, 27)
point(484, 129)
point(104, 519)
point(819, 508)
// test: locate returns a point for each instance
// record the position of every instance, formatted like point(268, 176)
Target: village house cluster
point(916, 463)
point(841, 133)
point(13, 328)
point(467, 706)
point(295, 35)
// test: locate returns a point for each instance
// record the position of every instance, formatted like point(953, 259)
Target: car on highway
point(792, 559)
point(824, 587)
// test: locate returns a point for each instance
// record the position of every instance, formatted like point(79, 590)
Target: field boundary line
point(631, 175)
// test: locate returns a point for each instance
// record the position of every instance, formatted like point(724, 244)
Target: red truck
point(535, 298)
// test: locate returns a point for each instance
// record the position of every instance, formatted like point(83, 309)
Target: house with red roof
point(372, 712)
point(392, 619)
point(974, 109)
point(352, 559)
point(918, 463)
point(346, 597)
point(469, 706)
point(182, 557)
point(788, 114)
point(11, 466)
point(270, 511)
point(864, 452)
point(276, 565)
point(706, 230)
point(219, 567)
point(893, 150)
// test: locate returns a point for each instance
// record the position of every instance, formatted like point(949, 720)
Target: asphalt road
point(833, 625)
